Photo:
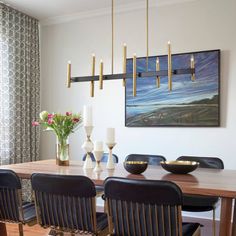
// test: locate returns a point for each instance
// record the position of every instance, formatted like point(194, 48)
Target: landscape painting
point(190, 103)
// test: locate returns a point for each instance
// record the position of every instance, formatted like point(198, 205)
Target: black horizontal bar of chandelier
point(189, 71)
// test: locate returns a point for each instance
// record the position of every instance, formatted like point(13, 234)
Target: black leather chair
point(195, 203)
point(67, 204)
point(151, 159)
point(12, 209)
point(145, 207)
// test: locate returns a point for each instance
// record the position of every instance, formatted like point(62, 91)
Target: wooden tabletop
point(208, 182)
point(202, 181)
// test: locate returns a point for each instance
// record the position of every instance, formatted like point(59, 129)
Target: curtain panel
point(19, 86)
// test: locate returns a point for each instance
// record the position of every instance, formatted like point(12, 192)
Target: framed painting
point(189, 104)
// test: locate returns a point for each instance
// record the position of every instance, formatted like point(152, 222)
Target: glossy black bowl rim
point(182, 163)
point(135, 162)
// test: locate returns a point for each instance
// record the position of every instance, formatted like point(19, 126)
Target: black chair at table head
point(145, 207)
point(99, 188)
point(202, 203)
point(12, 209)
point(151, 159)
point(104, 157)
point(67, 204)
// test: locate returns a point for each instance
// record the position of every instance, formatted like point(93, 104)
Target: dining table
point(202, 181)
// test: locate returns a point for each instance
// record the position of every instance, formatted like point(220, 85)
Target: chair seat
point(198, 203)
point(102, 222)
point(29, 211)
point(189, 228)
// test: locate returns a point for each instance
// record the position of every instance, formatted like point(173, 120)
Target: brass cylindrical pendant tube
point(158, 82)
point(169, 68)
point(101, 75)
point(93, 73)
point(68, 74)
point(192, 65)
point(134, 75)
point(124, 63)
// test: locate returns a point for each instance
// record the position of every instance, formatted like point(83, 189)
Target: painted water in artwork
point(190, 103)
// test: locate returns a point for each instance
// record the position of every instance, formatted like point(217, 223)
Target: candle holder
point(88, 147)
point(98, 156)
point(110, 162)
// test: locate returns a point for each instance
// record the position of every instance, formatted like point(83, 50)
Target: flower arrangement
point(63, 126)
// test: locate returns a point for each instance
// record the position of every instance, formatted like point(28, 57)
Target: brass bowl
point(135, 167)
point(179, 167)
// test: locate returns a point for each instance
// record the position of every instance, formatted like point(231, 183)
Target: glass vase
point(63, 147)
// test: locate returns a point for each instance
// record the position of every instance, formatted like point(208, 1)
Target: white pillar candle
point(88, 118)
point(110, 135)
point(98, 146)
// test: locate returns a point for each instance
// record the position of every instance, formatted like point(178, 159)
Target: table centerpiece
point(62, 125)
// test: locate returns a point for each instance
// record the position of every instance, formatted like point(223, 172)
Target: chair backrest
point(104, 157)
point(143, 207)
point(10, 197)
point(204, 162)
point(66, 203)
point(151, 159)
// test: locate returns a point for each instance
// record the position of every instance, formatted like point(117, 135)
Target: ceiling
point(44, 10)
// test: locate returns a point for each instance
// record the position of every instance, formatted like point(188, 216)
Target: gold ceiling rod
point(112, 36)
point(147, 33)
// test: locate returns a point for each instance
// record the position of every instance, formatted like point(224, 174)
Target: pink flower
point(50, 116)
point(75, 120)
point(35, 123)
point(68, 113)
point(50, 121)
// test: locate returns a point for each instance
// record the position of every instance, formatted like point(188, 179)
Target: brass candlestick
point(110, 162)
point(98, 156)
point(88, 147)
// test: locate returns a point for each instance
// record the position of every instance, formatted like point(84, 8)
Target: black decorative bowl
point(135, 167)
point(179, 167)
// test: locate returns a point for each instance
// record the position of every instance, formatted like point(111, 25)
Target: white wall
point(191, 26)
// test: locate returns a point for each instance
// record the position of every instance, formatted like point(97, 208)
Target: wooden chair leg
point(21, 231)
point(197, 232)
point(214, 222)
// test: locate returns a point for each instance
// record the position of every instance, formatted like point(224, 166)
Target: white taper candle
point(87, 116)
point(110, 135)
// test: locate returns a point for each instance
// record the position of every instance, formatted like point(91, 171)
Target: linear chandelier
point(158, 73)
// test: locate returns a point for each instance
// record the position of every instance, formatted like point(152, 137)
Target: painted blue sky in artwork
point(183, 89)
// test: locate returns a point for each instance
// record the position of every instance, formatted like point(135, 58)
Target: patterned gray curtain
point(19, 86)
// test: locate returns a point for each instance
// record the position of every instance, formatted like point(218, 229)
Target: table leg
point(3, 230)
point(234, 221)
point(225, 216)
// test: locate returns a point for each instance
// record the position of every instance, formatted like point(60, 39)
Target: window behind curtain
point(19, 86)
point(4, 96)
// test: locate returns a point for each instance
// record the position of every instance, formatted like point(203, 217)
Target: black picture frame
point(193, 112)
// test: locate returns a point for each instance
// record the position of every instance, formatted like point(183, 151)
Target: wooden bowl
point(135, 167)
point(179, 167)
